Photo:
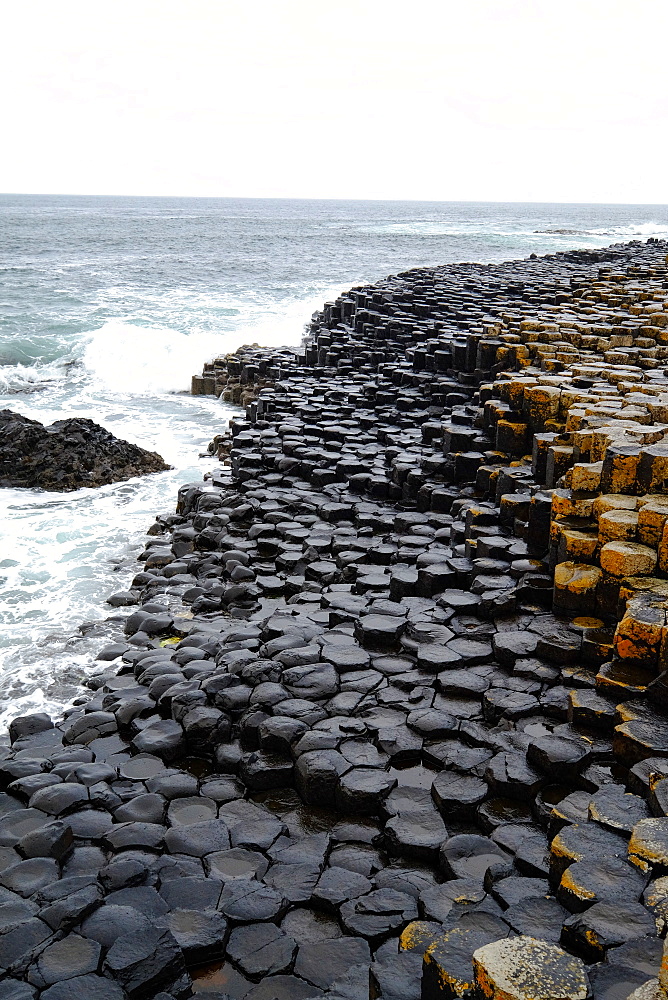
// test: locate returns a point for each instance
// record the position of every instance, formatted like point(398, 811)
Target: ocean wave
point(494, 229)
point(640, 230)
point(629, 232)
point(134, 356)
point(18, 379)
point(127, 357)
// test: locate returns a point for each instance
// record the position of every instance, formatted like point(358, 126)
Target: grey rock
point(141, 963)
point(62, 960)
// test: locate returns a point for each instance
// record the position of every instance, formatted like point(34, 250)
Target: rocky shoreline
point(67, 455)
point(389, 716)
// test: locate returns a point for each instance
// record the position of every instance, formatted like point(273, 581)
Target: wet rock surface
point(361, 736)
point(67, 454)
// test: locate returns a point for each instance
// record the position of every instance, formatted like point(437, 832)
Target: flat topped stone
point(447, 969)
point(12, 989)
point(524, 968)
point(90, 987)
point(141, 767)
point(261, 949)
point(606, 925)
point(375, 915)
point(595, 879)
point(627, 559)
point(468, 855)
point(615, 808)
point(648, 845)
point(379, 630)
point(580, 841)
point(324, 962)
point(73, 956)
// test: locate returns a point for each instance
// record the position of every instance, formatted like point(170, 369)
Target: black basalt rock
point(143, 963)
point(67, 455)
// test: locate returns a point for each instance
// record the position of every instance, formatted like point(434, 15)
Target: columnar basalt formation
point(388, 714)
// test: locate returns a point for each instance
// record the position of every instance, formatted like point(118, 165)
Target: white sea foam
point(127, 357)
point(64, 553)
point(641, 231)
point(606, 234)
point(491, 230)
point(21, 379)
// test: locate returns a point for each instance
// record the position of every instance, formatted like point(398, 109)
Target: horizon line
point(424, 201)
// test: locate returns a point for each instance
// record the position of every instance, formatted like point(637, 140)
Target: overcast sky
point(500, 100)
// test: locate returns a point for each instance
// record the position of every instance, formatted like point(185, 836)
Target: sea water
point(108, 305)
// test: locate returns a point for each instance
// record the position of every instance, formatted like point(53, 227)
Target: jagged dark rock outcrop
point(68, 454)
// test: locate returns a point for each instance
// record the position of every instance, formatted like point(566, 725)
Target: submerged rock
point(68, 454)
